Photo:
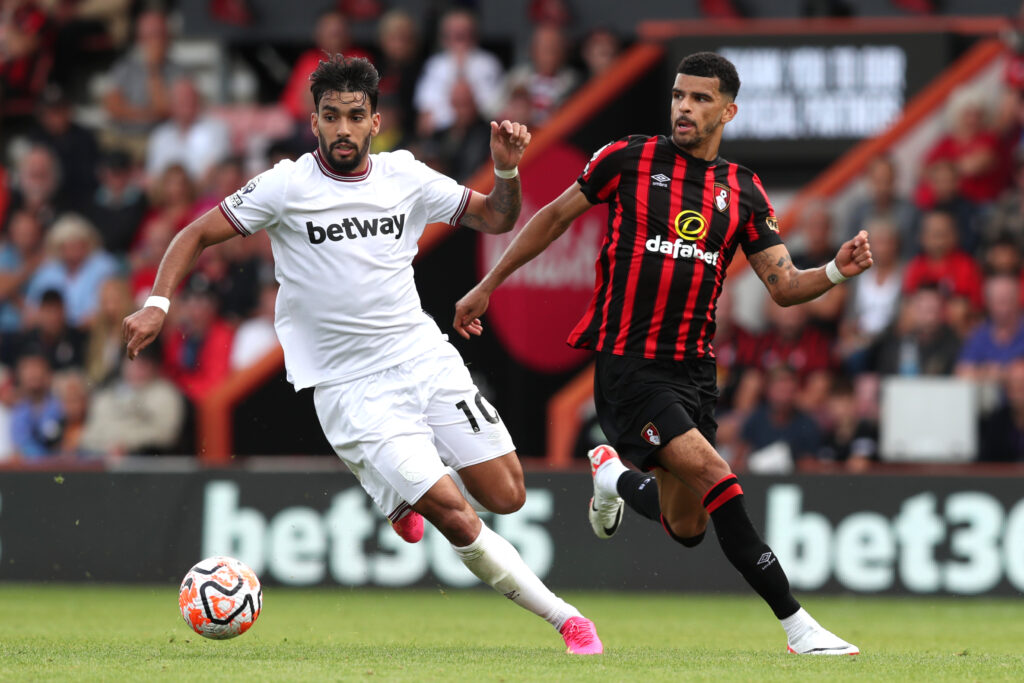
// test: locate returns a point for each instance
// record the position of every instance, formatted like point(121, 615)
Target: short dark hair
point(712, 65)
point(339, 73)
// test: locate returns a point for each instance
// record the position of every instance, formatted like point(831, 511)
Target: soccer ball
point(220, 598)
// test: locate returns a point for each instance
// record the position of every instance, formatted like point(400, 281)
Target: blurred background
point(893, 396)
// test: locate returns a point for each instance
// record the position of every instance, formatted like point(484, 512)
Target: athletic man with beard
point(393, 396)
point(677, 213)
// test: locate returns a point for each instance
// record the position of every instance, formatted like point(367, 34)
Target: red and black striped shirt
point(674, 223)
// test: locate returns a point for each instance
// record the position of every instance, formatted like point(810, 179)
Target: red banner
point(535, 309)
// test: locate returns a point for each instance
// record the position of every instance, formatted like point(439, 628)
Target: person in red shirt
point(330, 36)
point(977, 153)
point(941, 263)
point(197, 352)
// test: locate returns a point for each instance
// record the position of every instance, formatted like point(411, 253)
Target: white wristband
point(833, 274)
point(161, 302)
point(507, 175)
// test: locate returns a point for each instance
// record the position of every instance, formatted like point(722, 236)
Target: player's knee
point(459, 525)
point(688, 533)
point(507, 499)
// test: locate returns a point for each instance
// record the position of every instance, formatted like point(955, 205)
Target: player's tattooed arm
point(789, 285)
point(496, 212)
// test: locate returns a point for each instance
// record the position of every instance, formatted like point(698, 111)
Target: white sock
point(497, 563)
point(473, 502)
point(607, 477)
point(798, 624)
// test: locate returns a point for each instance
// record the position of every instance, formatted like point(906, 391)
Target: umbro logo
point(766, 560)
point(660, 180)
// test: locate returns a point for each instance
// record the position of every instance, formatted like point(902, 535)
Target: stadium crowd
point(87, 210)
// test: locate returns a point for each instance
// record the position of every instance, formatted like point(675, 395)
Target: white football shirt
point(343, 250)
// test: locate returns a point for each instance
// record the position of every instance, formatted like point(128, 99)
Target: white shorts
point(398, 429)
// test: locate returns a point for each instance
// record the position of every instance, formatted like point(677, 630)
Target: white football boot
point(805, 636)
point(604, 510)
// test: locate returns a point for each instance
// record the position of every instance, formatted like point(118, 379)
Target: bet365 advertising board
point(867, 534)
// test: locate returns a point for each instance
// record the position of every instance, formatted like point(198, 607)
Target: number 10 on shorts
point(485, 409)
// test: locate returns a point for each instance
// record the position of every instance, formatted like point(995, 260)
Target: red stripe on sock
point(724, 497)
point(704, 500)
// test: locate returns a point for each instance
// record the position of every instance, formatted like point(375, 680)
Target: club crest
point(650, 434)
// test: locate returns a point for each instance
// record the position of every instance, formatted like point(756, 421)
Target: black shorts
point(643, 404)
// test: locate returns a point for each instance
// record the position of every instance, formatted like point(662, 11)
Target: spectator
point(818, 249)
point(461, 148)
point(331, 35)
point(73, 393)
point(141, 413)
point(850, 441)
point(49, 335)
point(1002, 431)
point(74, 146)
point(460, 59)
point(20, 255)
point(942, 263)
point(791, 341)
point(946, 197)
point(599, 51)
point(225, 178)
point(874, 296)
point(139, 96)
point(884, 201)
point(547, 78)
point(76, 268)
point(26, 55)
point(172, 203)
point(1007, 217)
point(920, 342)
point(38, 180)
point(778, 434)
point(119, 205)
point(234, 270)
point(37, 417)
point(198, 349)
point(104, 346)
point(256, 337)
point(1000, 339)
point(973, 150)
point(188, 139)
point(399, 66)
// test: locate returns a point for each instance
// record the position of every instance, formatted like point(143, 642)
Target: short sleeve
point(600, 177)
point(762, 229)
point(444, 200)
point(257, 205)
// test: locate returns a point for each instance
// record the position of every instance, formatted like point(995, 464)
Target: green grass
point(135, 633)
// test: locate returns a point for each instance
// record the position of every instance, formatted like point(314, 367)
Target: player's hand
point(854, 256)
point(140, 329)
point(508, 141)
point(468, 310)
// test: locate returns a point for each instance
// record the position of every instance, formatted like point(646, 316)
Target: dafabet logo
point(690, 226)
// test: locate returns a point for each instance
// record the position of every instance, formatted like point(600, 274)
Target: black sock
point(746, 550)
point(640, 491)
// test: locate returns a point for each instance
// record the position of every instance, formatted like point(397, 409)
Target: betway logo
point(352, 228)
point(681, 249)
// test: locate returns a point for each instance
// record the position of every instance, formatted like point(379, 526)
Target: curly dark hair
point(712, 65)
point(338, 73)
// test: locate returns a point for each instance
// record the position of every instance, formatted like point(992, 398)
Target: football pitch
point(62, 632)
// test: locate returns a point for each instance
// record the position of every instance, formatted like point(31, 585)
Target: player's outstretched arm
point(789, 286)
point(141, 327)
point(497, 212)
point(540, 231)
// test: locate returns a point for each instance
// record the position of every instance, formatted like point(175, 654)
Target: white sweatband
point(507, 175)
point(161, 302)
point(833, 274)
